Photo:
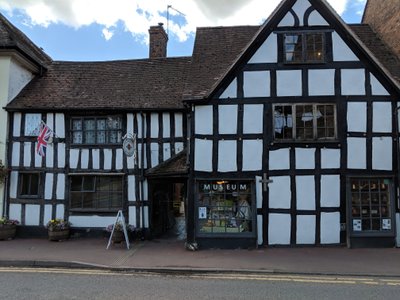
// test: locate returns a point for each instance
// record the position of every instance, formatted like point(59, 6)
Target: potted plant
point(118, 235)
point(8, 228)
point(58, 229)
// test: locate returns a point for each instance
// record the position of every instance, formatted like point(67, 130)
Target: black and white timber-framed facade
point(283, 134)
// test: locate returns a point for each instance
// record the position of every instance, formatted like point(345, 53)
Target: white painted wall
point(357, 116)
point(289, 83)
point(382, 117)
point(353, 82)
point(96, 159)
point(84, 158)
point(154, 126)
point(166, 125)
point(280, 193)
point(252, 155)
point(131, 188)
point(227, 159)
point(279, 159)
point(230, 91)
point(268, 51)
point(203, 155)
point(321, 82)
point(227, 119)
point(342, 52)
point(107, 159)
point(299, 8)
point(253, 118)
point(27, 154)
point(316, 19)
point(154, 150)
point(48, 186)
point(60, 189)
point(356, 153)
point(330, 158)
point(279, 226)
point(382, 153)
point(91, 221)
point(377, 87)
point(330, 191)
point(305, 192)
point(305, 158)
point(305, 234)
point(260, 230)
point(32, 214)
point(330, 228)
point(203, 117)
point(257, 84)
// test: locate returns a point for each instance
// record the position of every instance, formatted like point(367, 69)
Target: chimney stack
point(158, 41)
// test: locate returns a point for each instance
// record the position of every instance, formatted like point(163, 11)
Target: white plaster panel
point(84, 158)
point(144, 156)
point(146, 216)
point(48, 213)
point(382, 153)
point(227, 119)
point(289, 83)
point(38, 158)
point(256, 84)
point(253, 118)
point(60, 208)
point(260, 230)
point(330, 191)
point(330, 228)
point(50, 156)
point(154, 126)
point(91, 221)
point(166, 151)
point(305, 233)
point(132, 215)
point(382, 117)
point(178, 125)
point(60, 189)
point(259, 192)
point(357, 116)
point(280, 193)
point(330, 158)
point(166, 125)
point(119, 159)
point(129, 123)
point(178, 147)
point(19, 78)
point(154, 149)
point(305, 158)
point(203, 117)
point(356, 153)
point(15, 212)
point(279, 226)
point(50, 121)
point(268, 51)
point(252, 155)
point(377, 87)
point(48, 187)
point(230, 91)
point(279, 159)
point(96, 159)
point(141, 121)
point(315, 19)
point(131, 188)
point(342, 52)
point(107, 159)
point(300, 7)
point(130, 162)
point(17, 124)
point(27, 154)
point(203, 155)
point(32, 215)
point(13, 184)
point(321, 82)
point(32, 123)
point(60, 125)
point(305, 192)
point(61, 155)
point(287, 21)
point(145, 190)
point(15, 154)
point(227, 161)
point(353, 82)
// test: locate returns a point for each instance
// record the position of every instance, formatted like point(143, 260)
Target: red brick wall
point(384, 18)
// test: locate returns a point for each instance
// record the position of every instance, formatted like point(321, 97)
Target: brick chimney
point(158, 41)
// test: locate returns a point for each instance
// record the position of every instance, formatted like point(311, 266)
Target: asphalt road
point(19, 283)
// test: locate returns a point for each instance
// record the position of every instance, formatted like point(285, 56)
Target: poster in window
point(357, 225)
point(203, 213)
point(386, 224)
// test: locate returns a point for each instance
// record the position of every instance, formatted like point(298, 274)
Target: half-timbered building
point(282, 134)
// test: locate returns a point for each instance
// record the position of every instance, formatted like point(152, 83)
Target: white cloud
point(138, 15)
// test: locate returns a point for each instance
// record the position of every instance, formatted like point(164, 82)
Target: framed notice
point(357, 225)
point(386, 224)
point(202, 213)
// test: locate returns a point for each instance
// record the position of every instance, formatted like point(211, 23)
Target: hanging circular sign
point(129, 146)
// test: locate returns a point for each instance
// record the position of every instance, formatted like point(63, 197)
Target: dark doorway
point(168, 209)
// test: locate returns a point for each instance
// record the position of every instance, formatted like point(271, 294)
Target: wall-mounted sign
point(129, 145)
point(386, 224)
point(357, 225)
point(202, 213)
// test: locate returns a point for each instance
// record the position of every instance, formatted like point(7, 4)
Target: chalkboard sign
point(120, 218)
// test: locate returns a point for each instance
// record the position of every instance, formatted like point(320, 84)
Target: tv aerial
point(174, 9)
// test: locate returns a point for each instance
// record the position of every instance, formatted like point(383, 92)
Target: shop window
point(305, 122)
point(371, 205)
point(225, 207)
point(96, 193)
point(95, 130)
point(29, 185)
point(304, 48)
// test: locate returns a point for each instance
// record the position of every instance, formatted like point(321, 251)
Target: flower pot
point(7, 232)
point(58, 235)
point(118, 237)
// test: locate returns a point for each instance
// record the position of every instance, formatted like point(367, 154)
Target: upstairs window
point(29, 185)
point(305, 122)
point(96, 130)
point(304, 48)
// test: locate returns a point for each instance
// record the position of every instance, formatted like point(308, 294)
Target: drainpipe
point(142, 176)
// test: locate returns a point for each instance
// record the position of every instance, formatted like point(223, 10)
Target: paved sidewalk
point(170, 256)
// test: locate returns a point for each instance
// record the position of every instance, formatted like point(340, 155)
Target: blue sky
point(91, 30)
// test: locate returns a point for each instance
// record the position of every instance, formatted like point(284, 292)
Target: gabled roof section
point(250, 40)
point(176, 166)
point(111, 85)
point(11, 38)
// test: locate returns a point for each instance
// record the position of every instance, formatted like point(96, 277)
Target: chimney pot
point(158, 41)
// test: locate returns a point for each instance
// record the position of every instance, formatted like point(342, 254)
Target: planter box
point(58, 235)
point(7, 232)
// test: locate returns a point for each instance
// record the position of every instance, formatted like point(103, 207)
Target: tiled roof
point(215, 50)
point(12, 38)
point(379, 49)
point(128, 84)
point(176, 166)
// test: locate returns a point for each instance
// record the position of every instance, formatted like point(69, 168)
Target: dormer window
point(303, 48)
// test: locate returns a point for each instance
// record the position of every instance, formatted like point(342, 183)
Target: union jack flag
point(42, 139)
